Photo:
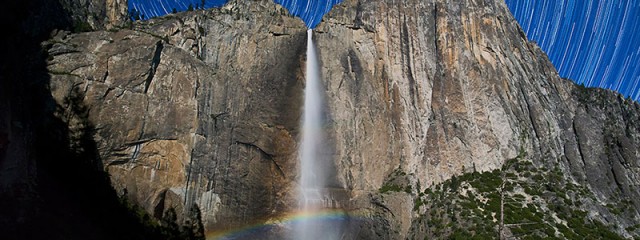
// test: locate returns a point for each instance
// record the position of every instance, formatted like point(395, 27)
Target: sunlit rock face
point(203, 109)
point(194, 109)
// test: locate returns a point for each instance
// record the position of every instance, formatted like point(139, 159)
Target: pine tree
point(197, 228)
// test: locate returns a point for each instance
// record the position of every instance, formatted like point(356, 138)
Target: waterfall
point(312, 194)
point(310, 154)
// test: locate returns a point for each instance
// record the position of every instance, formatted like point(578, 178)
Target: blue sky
point(595, 43)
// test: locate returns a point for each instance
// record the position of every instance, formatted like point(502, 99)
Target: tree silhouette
point(134, 14)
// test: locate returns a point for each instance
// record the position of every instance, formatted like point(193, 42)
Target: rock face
point(202, 109)
point(52, 182)
point(98, 15)
point(188, 115)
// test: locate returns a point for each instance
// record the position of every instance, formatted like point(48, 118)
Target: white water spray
point(313, 176)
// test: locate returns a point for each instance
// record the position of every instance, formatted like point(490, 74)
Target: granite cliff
point(198, 113)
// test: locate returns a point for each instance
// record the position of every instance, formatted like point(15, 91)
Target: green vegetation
point(537, 204)
point(393, 183)
point(390, 188)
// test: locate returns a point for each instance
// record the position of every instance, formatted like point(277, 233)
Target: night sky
point(154, 8)
point(595, 43)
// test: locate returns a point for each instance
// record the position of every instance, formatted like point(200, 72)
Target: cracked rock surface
point(203, 108)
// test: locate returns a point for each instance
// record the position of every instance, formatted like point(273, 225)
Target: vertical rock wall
point(202, 108)
point(97, 14)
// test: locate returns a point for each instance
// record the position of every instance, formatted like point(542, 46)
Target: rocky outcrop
point(52, 182)
point(437, 89)
point(202, 109)
point(187, 112)
point(96, 15)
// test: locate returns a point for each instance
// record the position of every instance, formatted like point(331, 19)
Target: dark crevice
point(186, 187)
point(577, 137)
point(349, 26)
point(438, 95)
point(136, 152)
point(265, 154)
point(530, 113)
point(154, 65)
point(357, 22)
point(106, 93)
point(279, 168)
point(251, 145)
point(278, 34)
point(435, 33)
point(106, 75)
point(218, 116)
point(117, 162)
point(158, 210)
point(145, 140)
point(406, 59)
point(377, 203)
point(352, 63)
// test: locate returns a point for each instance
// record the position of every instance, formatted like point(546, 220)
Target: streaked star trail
point(154, 8)
point(310, 11)
point(595, 43)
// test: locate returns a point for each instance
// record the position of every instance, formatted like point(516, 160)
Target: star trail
point(595, 43)
point(310, 11)
point(155, 8)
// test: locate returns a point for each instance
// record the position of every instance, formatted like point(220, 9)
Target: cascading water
point(311, 175)
point(312, 194)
